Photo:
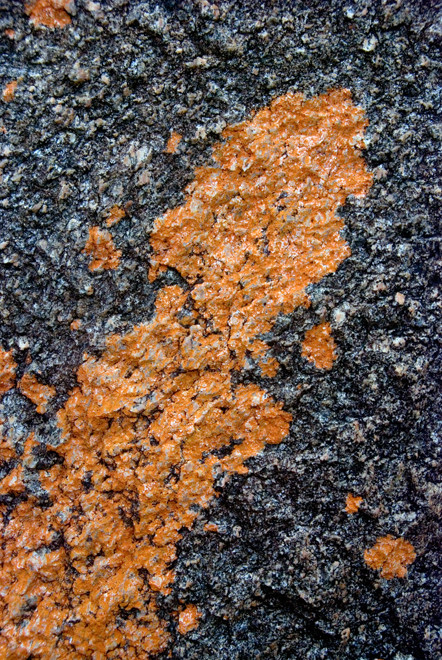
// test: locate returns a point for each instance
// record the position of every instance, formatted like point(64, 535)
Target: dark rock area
point(284, 577)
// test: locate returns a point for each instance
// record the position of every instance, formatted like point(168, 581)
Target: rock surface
point(96, 102)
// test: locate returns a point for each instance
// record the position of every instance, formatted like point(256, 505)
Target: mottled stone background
point(95, 103)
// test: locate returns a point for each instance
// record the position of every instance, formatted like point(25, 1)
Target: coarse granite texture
point(284, 576)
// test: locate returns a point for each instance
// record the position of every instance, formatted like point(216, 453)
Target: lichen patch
point(390, 555)
point(114, 215)
point(36, 392)
point(101, 248)
point(9, 91)
point(143, 428)
point(188, 619)
point(352, 503)
point(7, 370)
point(173, 143)
point(319, 346)
point(49, 13)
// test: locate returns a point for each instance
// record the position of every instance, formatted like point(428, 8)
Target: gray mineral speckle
point(96, 101)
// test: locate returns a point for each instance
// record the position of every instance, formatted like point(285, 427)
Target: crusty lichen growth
point(352, 503)
point(319, 346)
point(101, 248)
point(13, 483)
point(143, 428)
point(36, 392)
point(260, 225)
point(9, 91)
point(50, 13)
point(114, 215)
point(173, 143)
point(391, 555)
point(7, 370)
point(188, 619)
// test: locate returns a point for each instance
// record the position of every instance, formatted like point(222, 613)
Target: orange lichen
point(173, 142)
point(211, 527)
point(12, 483)
point(29, 570)
point(188, 619)
point(143, 429)
point(75, 324)
point(9, 33)
point(9, 91)
point(7, 451)
point(391, 555)
point(114, 215)
point(352, 503)
point(36, 392)
point(7, 370)
point(319, 346)
point(101, 248)
point(50, 13)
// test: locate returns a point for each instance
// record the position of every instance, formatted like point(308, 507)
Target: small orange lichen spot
point(9, 91)
point(188, 619)
point(101, 248)
point(391, 555)
point(352, 503)
point(211, 527)
point(76, 324)
point(7, 370)
point(173, 142)
point(50, 13)
point(144, 427)
point(9, 33)
point(6, 449)
point(12, 483)
point(115, 214)
point(36, 392)
point(319, 346)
